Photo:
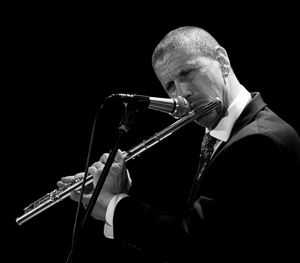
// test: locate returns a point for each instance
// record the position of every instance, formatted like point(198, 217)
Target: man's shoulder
point(268, 126)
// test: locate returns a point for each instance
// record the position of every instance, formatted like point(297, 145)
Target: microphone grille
point(182, 107)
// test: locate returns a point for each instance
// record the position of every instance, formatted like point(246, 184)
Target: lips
point(208, 112)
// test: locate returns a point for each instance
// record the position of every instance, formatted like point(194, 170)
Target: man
point(243, 201)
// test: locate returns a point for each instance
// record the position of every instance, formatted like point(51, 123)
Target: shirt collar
point(224, 127)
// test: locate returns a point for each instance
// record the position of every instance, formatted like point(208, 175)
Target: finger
point(92, 170)
point(75, 196)
point(115, 168)
point(60, 184)
point(119, 156)
point(104, 158)
point(71, 178)
point(98, 165)
point(118, 168)
point(68, 179)
point(95, 173)
point(79, 175)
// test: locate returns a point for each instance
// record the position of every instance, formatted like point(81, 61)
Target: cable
point(75, 226)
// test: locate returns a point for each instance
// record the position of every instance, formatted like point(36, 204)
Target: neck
point(233, 88)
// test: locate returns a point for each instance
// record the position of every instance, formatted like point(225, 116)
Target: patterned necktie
point(207, 148)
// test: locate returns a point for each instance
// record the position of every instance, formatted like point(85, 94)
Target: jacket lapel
point(248, 114)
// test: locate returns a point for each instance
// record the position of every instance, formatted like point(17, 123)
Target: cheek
point(208, 85)
point(202, 86)
point(173, 93)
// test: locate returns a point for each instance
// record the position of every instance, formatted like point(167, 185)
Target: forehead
point(174, 61)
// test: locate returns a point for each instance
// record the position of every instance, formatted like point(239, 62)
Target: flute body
point(61, 193)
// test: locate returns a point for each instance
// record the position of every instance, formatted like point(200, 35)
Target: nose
point(182, 89)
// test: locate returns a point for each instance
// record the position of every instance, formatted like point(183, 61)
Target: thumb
point(75, 196)
point(119, 156)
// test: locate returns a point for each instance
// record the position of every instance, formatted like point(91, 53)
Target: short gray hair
point(194, 38)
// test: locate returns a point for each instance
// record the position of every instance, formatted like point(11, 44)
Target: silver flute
point(61, 193)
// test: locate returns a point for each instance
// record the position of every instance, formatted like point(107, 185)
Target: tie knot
point(208, 143)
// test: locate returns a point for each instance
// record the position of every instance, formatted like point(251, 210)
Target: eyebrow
point(178, 74)
point(184, 70)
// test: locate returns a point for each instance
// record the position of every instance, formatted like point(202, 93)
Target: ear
point(223, 60)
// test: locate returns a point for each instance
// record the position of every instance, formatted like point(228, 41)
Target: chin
point(204, 122)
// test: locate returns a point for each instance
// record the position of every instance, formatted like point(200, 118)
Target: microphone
point(176, 107)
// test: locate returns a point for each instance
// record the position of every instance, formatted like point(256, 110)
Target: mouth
point(208, 112)
point(203, 121)
point(206, 106)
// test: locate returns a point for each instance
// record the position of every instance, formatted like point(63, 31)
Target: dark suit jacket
point(246, 202)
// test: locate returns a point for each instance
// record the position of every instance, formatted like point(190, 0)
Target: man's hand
point(117, 181)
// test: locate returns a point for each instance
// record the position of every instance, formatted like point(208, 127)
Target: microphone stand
point(123, 129)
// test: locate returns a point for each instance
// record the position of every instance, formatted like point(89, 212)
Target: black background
point(62, 61)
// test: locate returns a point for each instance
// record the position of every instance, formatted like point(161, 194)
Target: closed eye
point(185, 72)
point(170, 86)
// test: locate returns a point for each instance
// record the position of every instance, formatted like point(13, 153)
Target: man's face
point(198, 79)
